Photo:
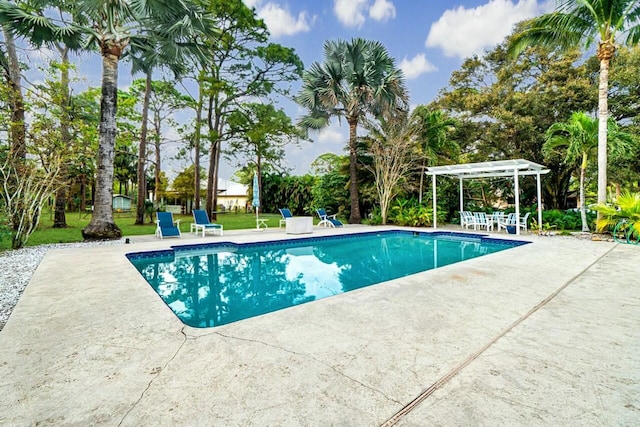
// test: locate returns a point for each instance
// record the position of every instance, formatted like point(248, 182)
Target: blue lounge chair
point(166, 226)
point(328, 220)
point(286, 213)
point(201, 222)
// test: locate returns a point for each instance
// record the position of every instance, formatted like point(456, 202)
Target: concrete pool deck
point(542, 334)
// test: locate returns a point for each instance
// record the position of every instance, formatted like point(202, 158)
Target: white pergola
point(501, 168)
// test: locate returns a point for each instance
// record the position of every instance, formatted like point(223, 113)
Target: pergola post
point(539, 203)
point(433, 184)
point(516, 179)
point(461, 196)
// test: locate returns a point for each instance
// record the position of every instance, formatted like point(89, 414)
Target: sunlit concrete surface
point(542, 334)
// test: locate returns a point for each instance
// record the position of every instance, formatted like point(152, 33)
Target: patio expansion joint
point(308, 356)
point(155, 374)
point(458, 368)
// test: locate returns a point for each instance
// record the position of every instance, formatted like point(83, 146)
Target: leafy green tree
point(240, 64)
point(284, 191)
point(577, 22)
point(356, 78)
point(578, 138)
point(183, 183)
point(174, 53)
point(259, 134)
point(433, 129)
point(503, 108)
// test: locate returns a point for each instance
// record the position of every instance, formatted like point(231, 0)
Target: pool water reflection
point(216, 284)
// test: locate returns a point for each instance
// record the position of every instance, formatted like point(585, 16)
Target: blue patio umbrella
point(256, 195)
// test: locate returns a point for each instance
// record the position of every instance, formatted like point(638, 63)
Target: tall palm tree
point(578, 137)
point(113, 27)
point(357, 78)
point(432, 129)
point(574, 22)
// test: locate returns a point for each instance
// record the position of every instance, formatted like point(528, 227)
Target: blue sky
point(428, 38)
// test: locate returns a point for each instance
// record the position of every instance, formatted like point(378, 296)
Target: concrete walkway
point(542, 334)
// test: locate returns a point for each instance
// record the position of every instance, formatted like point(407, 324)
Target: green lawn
point(47, 234)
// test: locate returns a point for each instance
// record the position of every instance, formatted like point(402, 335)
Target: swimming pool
point(215, 284)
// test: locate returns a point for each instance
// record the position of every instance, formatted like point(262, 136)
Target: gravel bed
point(17, 267)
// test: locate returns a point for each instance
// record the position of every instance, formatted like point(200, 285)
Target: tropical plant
point(575, 22)
point(578, 137)
point(408, 212)
point(356, 78)
point(433, 129)
point(626, 208)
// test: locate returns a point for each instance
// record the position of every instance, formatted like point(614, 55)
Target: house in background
point(121, 203)
point(232, 195)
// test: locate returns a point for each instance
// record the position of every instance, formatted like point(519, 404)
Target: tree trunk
point(354, 217)
point(59, 217)
point(18, 145)
point(83, 192)
point(102, 224)
point(18, 148)
point(603, 113)
point(216, 168)
point(156, 140)
point(214, 158)
point(142, 153)
point(196, 149)
point(209, 206)
point(583, 211)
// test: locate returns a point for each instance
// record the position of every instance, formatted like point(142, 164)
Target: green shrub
point(408, 212)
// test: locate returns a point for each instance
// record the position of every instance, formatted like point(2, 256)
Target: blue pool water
point(215, 284)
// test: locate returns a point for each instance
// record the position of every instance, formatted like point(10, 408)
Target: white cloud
point(331, 135)
point(350, 12)
point(382, 10)
point(279, 19)
point(416, 66)
point(252, 3)
point(463, 32)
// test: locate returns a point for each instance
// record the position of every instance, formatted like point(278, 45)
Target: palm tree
point(578, 137)
point(627, 208)
point(432, 128)
point(113, 27)
point(357, 78)
point(587, 21)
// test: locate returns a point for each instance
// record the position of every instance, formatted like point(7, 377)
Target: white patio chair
point(481, 220)
point(511, 220)
point(466, 219)
point(523, 221)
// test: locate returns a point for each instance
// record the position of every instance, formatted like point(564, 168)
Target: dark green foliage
point(293, 192)
point(408, 212)
point(331, 192)
point(565, 220)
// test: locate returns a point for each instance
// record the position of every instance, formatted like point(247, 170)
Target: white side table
point(299, 225)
